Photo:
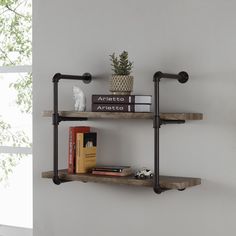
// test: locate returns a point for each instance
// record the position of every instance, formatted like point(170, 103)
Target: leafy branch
point(7, 160)
point(14, 11)
point(15, 49)
point(23, 86)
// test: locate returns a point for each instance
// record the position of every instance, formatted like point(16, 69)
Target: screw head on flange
point(87, 78)
point(183, 77)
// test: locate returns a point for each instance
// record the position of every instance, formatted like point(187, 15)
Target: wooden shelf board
point(127, 115)
point(168, 182)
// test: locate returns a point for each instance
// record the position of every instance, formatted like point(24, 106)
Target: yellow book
point(86, 148)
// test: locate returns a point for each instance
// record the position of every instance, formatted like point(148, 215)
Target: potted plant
point(121, 82)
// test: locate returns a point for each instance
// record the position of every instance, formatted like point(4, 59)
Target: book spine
point(72, 146)
point(107, 170)
point(79, 153)
point(71, 155)
point(110, 99)
point(108, 173)
point(119, 108)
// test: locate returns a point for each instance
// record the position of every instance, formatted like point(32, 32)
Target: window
point(16, 113)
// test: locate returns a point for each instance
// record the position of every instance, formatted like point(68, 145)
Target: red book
point(72, 142)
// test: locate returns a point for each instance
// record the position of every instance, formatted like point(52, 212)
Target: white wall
point(197, 36)
point(14, 231)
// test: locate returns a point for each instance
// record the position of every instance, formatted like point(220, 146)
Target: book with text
point(121, 108)
point(86, 148)
point(121, 99)
point(72, 143)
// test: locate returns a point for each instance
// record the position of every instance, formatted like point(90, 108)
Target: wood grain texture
point(127, 115)
point(169, 182)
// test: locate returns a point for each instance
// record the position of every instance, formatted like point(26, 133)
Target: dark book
point(111, 168)
point(72, 145)
point(121, 107)
point(125, 173)
point(121, 99)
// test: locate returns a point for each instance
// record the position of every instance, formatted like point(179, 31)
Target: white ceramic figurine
point(80, 99)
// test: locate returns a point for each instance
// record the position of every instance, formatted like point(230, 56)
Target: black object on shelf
point(182, 77)
point(56, 118)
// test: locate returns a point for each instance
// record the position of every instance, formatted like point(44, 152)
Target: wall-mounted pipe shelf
point(166, 182)
point(159, 183)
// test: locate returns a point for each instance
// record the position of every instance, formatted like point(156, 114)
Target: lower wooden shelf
point(167, 182)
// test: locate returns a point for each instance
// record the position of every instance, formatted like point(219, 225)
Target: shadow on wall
point(218, 190)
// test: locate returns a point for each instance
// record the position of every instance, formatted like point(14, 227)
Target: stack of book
point(112, 170)
point(82, 149)
point(121, 103)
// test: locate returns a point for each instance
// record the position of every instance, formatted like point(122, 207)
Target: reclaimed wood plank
point(127, 115)
point(168, 182)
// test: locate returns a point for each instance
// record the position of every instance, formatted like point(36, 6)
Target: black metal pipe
point(165, 122)
point(56, 179)
point(86, 77)
point(63, 118)
point(56, 118)
point(182, 77)
point(156, 126)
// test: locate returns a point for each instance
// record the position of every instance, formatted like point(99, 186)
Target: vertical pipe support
point(182, 77)
point(56, 118)
point(55, 121)
point(156, 125)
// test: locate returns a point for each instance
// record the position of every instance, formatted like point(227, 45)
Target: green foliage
point(16, 45)
point(7, 162)
point(17, 139)
point(121, 65)
point(15, 49)
point(15, 36)
point(9, 138)
point(23, 86)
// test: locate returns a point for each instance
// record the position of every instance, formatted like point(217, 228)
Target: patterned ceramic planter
point(121, 84)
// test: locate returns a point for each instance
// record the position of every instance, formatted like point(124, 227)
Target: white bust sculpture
point(80, 100)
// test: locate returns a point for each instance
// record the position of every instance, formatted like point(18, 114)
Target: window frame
point(15, 69)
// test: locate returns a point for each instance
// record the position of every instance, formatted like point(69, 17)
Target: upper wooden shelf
point(166, 182)
point(127, 115)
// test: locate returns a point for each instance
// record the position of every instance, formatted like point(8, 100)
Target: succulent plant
point(121, 65)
